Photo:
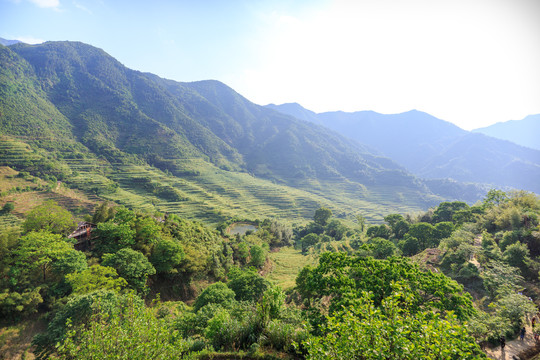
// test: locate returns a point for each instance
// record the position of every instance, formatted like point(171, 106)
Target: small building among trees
point(83, 235)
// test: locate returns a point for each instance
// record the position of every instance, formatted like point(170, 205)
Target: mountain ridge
point(432, 148)
point(95, 108)
point(523, 132)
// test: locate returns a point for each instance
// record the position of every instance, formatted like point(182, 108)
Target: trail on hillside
point(515, 349)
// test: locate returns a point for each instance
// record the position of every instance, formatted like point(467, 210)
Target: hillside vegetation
point(433, 285)
point(199, 149)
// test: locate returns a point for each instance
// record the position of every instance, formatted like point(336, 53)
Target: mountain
point(524, 132)
point(6, 42)
point(432, 148)
point(71, 111)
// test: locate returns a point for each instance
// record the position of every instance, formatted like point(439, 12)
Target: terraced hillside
point(71, 113)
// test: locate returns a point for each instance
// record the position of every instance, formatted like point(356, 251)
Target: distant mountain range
point(524, 132)
point(432, 148)
point(74, 101)
point(6, 42)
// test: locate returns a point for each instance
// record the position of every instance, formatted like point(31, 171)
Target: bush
point(217, 293)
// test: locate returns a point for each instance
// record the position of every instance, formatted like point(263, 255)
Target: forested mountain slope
point(75, 104)
point(433, 148)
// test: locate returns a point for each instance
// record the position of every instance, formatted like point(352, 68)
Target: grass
point(15, 340)
point(27, 193)
point(287, 263)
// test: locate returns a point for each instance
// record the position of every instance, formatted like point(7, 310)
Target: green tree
point(110, 237)
point(167, 255)
point(130, 332)
point(500, 278)
point(103, 213)
point(216, 293)
point(382, 248)
point(40, 252)
point(335, 229)
point(322, 215)
point(343, 278)
point(132, 266)
point(361, 222)
point(517, 255)
point(50, 217)
point(147, 233)
point(78, 310)
point(446, 210)
point(8, 207)
point(382, 231)
point(424, 233)
point(247, 284)
point(13, 304)
point(516, 308)
point(495, 198)
point(258, 256)
point(390, 331)
point(308, 241)
point(443, 230)
point(96, 277)
point(409, 245)
point(400, 229)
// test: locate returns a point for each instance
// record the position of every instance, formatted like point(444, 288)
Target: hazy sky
point(471, 62)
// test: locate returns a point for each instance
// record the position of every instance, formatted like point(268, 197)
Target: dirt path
point(513, 348)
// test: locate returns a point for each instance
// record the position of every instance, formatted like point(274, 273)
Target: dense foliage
point(362, 299)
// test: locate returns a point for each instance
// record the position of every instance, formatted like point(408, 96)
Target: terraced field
point(205, 192)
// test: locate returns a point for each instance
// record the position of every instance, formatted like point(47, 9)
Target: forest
point(440, 284)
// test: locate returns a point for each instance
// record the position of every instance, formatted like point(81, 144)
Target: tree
point(166, 255)
point(335, 229)
point(103, 213)
point(517, 255)
point(343, 278)
point(390, 331)
point(361, 222)
point(78, 310)
point(322, 215)
point(147, 232)
point(393, 219)
point(307, 241)
point(409, 245)
point(382, 248)
point(400, 229)
point(43, 251)
point(8, 207)
point(110, 237)
point(127, 332)
point(443, 230)
point(132, 266)
point(50, 217)
point(494, 198)
point(382, 231)
point(258, 256)
point(14, 304)
point(515, 308)
point(424, 233)
point(247, 284)
point(446, 210)
point(500, 278)
point(95, 278)
point(216, 293)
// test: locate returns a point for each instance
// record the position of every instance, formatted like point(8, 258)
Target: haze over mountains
point(525, 132)
point(432, 148)
point(70, 102)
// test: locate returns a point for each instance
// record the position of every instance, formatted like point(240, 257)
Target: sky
point(470, 62)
